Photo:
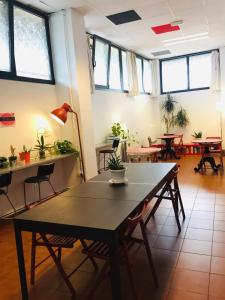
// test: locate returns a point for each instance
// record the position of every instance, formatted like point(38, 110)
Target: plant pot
point(118, 175)
point(12, 161)
point(41, 154)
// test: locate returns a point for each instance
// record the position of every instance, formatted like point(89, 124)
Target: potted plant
point(181, 119)
point(42, 147)
point(65, 147)
point(168, 109)
point(25, 154)
point(3, 162)
point(116, 168)
point(197, 135)
point(13, 157)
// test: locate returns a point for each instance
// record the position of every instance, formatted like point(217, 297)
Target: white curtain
point(132, 74)
point(215, 75)
point(91, 69)
point(155, 87)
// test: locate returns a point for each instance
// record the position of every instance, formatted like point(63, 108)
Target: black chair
point(5, 181)
point(105, 152)
point(43, 175)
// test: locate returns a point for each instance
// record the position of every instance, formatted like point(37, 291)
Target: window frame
point(187, 56)
point(11, 75)
point(120, 50)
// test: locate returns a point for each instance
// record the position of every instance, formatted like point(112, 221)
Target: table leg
point(21, 264)
point(114, 269)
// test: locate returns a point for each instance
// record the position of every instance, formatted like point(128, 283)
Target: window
point(114, 75)
point(24, 46)
point(110, 67)
point(186, 73)
point(101, 62)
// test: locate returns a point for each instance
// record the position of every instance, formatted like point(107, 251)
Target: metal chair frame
point(5, 181)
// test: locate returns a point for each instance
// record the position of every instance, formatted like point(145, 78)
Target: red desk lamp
point(60, 115)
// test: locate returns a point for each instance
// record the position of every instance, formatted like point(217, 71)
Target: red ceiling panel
point(165, 28)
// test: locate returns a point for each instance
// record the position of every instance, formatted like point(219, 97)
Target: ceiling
point(203, 25)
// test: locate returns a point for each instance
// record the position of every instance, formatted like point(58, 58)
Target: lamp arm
point(80, 146)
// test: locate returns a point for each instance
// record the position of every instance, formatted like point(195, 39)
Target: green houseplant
point(181, 119)
point(65, 147)
point(117, 169)
point(42, 147)
point(168, 109)
point(12, 157)
point(197, 135)
point(3, 162)
point(119, 131)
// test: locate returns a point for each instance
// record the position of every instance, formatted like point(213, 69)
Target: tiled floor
point(190, 265)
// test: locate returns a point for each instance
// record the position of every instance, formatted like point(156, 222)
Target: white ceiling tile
point(153, 10)
point(179, 5)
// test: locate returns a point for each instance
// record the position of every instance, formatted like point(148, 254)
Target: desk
point(206, 156)
point(96, 215)
point(148, 152)
point(168, 147)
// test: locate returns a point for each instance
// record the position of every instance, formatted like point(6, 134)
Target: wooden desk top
point(34, 162)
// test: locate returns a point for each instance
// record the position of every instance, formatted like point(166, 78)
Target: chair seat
point(36, 179)
point(58, 241)
point(107, 151)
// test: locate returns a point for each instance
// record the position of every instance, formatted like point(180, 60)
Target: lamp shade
point(60, 114)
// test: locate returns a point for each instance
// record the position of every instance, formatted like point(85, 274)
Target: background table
point(149, 152)
point(168, 146)
point(94, 210)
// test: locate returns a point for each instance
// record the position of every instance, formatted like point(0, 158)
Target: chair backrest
point(5, 180)
point(45, 170)
point(115, 143)
point(149, 141)
point(180, 137)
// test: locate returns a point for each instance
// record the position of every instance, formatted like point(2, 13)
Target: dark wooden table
point(94, 210)
point(168, 146)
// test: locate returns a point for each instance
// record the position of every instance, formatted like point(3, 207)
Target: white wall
point(140, 114)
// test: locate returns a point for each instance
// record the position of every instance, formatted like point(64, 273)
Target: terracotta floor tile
point(219, 216)
point(171, 221)
point(168, 243)
point(190, 281)
point(204, 201)
point(217, 286)
point(164, 258)
point(197, 214)
point(201, 223)
point(194, 262)
point(218, 249)
point(198, 247)
point(218, 265)
point(199, 234)
point(220, 201)
point(219, 225)
point(219, 236)
point(160, 220)
point(162, 211)
point(219, 208)
point(172, 231)
point(178, 295)
point(204, 207)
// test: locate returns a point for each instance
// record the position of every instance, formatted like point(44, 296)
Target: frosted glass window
point(139, 74)
point(200, 71)
point(174, 75)
point(101, 62)
point(114, 75)
point(4, 37)
point(125, 75)
point(147, 78)
point(31, 49)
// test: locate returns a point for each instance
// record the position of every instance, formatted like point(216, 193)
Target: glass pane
point(125, 76)
point(114, 76)
point(200, 71)
point(147, 77)
point(4, 37)
point(101, 60)
point(139, 74)
point(174, 75)
point(31, 50)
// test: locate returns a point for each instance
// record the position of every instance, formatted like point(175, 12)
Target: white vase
point(118, 175)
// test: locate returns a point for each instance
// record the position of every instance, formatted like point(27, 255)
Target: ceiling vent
point(160, 53)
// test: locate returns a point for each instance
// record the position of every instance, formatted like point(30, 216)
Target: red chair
point(217, 149)
point(126, 242)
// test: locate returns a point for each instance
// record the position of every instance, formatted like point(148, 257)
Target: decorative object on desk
point(117, 169)
point(25, 154)
point(181, 119)
point(13, 157)
point(3, 162)
point(197, 135)
point(65, 147)
point(60, 115)
point(7, 119)
point(42, 147)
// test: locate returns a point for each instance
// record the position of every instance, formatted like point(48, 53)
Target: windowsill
point(185, 91)
point(104, 89)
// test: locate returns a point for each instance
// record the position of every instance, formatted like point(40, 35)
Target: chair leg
point(83, 243)
point(33, 255)
point(25, 194)
point(54, 192)
point(39, 191)
point(149, 254)
point(104, 161)
point(59, 254)
point(176, 187)
point(175, 208)
point(58, 265)
point(152, 213)
point(129, 271)
point(10, 202)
